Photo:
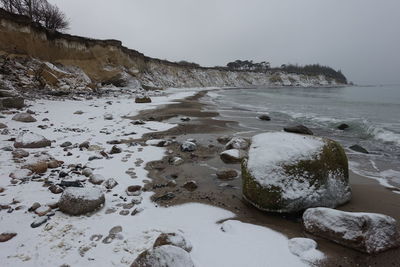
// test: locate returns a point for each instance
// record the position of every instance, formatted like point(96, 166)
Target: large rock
point(78, 201)
point(31, 140)
point(289, 173)
point(24, 117)
point(164, 256)
point(367, 232)
point(12, 102)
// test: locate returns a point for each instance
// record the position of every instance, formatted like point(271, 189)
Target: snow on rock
point(31, 140)
point(366, 232)
point(188, 146)
point(232, 156)
point(164, 256)
point(288, 172)
point(305, 248)
point(78, 201)
point(173, 239)
point(237, 143)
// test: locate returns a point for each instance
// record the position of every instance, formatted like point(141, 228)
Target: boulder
point(366, 232)
point(164, 256)
point(12, 102)
point(31, 140)
point(78, 201)
point(300, 129)
point(226, 174)
point(24, 117)
point(142, 99)
point(232, 156)
point(289, 173)
point(173, 239)
point(237, 143)
point(359, 149)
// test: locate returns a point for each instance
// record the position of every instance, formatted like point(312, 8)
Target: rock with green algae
point(289, 173)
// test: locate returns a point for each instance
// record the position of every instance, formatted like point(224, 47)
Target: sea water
point(372, 112)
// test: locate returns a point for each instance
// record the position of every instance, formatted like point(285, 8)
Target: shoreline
point(200, 166)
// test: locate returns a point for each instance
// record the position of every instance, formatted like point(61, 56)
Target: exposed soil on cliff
point(201, 166)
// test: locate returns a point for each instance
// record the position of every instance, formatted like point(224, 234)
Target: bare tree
point(40, 11)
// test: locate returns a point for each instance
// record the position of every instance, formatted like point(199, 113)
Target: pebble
point(39, 221)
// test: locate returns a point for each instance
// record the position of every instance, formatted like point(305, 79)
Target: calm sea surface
point(373, 114)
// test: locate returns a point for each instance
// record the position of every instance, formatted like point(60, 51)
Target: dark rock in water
point(343, 126)
point(78, 201)
point(190, 185)
point(142, 99)
point(264, 117)
point(70, 184)
point(300, 129)
point(24, 117)
point(164, 256)
point(4, 237)
point(367, 232)
point(165, 197)
point(185, 119)
point(226, 174)
point(138, 122)
point(359, 148)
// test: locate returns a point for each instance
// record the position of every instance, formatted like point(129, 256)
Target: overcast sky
point(360, 37)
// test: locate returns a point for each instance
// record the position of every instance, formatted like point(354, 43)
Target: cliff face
point(92, 62)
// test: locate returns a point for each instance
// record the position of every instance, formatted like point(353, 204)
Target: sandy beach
point(201, 166)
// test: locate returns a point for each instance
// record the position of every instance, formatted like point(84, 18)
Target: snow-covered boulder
point(305, 249)
point(237, 143)
point(164, 256)
point(31, 140)
point(288, 172)
point(188, 146)
point(233, 156)
point(173, 239)
point(366, 232)
point(78, 201)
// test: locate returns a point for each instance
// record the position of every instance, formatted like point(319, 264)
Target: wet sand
point(201, 166)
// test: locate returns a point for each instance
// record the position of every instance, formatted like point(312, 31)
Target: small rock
point(305, 248)
point(226, 174)
point(264, 117)
point(53, 164)
point(55, 189)
point(20, 174)
point(237, 143)
point(232, 156)
point(87, 172)
point(343, 126)
point(136, 200)
point(42, 210)
point(300, 129)
point(4, 237)
point(108, 116)
point(8, 148)
point(94, 158)
point(39, 167)
point(34, 206)
point(142, 99)
point(66, 144)
point(190, 185)
point(2, 189)
point(110, 183)
point(31, 140)
point(173, 239)
point(83, 145)
point(188, 146)
point(78, 112)
point(134, 190)
point(62, 174)
point(115, 150)
point(20, 153)
point(172, 183)
point(166, 197)
point(124, 212)
point(185, 119)
point(96, 179)
point(70, 184)
point(2, 126)
point(176, 161)
point(39, 221)
point(23, 117)
point(138, 122)
point(359, 148)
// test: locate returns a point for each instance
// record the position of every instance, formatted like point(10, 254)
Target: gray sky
point(360, 37)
